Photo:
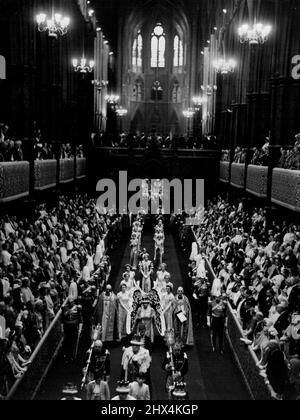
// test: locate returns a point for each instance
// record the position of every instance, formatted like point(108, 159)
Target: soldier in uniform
point(218, 321)
point(88, 297)
point(72, 316)
point(99, 365)
point(176, 366)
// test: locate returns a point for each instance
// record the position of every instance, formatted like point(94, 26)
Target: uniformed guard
point(98, 362)
point(72, 317)
point(176, 366)
point(218, 310)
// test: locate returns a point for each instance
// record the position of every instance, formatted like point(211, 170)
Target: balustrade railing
point(44, 174)
point(286, 188)
point(257, 180)
point(238, 175)
point(14, 181)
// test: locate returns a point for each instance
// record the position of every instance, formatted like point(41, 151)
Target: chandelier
point(56, 25)
point(83, 66)
point(121, 112)
point(224, 66)
point(209, 90)
point(99, 85)
point(112, 99)
point(256, 34)
point(189, 113)
point(199, 100)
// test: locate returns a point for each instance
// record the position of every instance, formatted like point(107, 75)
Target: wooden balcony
point(45, 174)
point(238, 175)
point(257, 180)
point(80, 168)
point(224, 171)
point(66, 171)
point(286, 188)
point(14, 181)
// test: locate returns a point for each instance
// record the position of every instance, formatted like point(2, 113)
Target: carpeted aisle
point(221, 377)
point(195, 384)
point(211, 376)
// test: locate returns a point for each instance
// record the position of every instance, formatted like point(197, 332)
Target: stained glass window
point(137, 51)
point(158, 47)
point(178, 52)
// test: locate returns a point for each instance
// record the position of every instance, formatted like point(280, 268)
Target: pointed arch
point(138, 90)
point(137, 53)
point(137, 123)
point(157, 91)
point(158, 47)
point(174, 124)
point(176, 92)
point(178, 59)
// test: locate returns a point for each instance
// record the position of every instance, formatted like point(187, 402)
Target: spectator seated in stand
point(44, 258)
point(258, 267)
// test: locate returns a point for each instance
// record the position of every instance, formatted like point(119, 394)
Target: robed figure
point(182, 316)
point(105, 314)
point(136, 360)
point(146, 270)
point(146, 315)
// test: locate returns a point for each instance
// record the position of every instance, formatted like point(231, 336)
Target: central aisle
point(209, 373)
point(194, 379)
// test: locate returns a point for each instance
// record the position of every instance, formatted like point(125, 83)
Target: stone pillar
point(258, 119)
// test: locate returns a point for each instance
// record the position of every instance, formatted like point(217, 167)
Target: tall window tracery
point(158, 47)
point(178, 61)
point(137, 51)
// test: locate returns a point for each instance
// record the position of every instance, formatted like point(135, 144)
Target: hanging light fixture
point(99, 85)
point(224, 66)
point(209, 90)
point(188, 113)
point(199, 100)
point(83, 66)
point(112, 99)
point(55, 26)
point(121, 112)
point(255, 34)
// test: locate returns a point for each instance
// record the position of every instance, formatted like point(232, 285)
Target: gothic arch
point(147, 14)
point(138, 90)
point(137, 123)
point(175, 124)
point(175, 91)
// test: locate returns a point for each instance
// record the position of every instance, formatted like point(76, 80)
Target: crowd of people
point(56, 259)
point(257, 265)
point(144, 309)
point(44, 259)
point(145, 141)
point(16, 149)
point(10, 148)
point(289, 156)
